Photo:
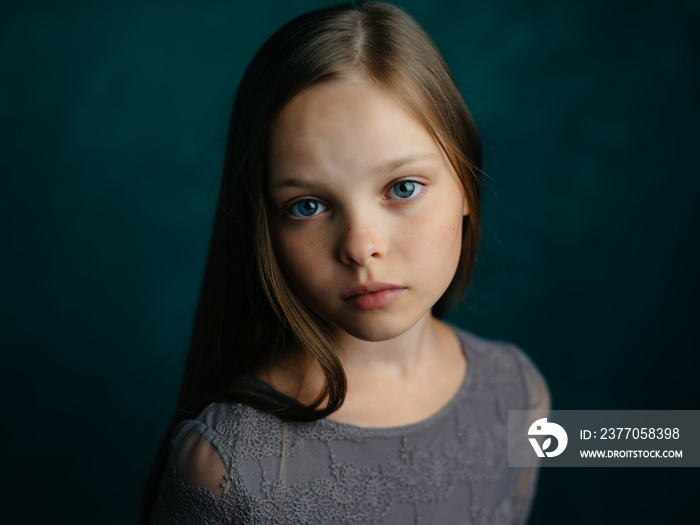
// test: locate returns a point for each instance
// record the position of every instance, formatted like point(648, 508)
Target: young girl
point(321, 387)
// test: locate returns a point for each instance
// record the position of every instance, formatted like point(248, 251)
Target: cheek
point(437, 244)
point(300, 259)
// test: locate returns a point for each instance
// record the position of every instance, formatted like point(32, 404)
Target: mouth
point(373, 296)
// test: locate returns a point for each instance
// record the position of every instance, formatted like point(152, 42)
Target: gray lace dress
point(237, 465)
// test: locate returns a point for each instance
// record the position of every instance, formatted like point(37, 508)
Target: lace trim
point(352, 493)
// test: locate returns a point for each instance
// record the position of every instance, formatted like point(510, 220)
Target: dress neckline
point(419, 425)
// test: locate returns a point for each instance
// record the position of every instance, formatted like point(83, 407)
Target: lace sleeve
point(195, 481)
point(537, 401)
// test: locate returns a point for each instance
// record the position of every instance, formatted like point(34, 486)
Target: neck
point(398, 357)
point(390, 382)
point(404, 380)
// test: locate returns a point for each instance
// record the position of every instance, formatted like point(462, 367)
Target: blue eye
point(306, 208)
point(406, 189)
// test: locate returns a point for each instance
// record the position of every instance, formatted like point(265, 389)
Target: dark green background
point(113, 121)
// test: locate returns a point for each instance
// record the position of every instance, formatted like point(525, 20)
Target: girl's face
point(366, 211)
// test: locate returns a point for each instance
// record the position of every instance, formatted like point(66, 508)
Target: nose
point(362, 241)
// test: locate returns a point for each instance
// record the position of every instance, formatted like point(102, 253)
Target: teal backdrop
point(112, 131)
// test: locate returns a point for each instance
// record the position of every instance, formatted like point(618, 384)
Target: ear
point(465, 207)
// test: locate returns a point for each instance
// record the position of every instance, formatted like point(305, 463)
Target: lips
point(373, 296)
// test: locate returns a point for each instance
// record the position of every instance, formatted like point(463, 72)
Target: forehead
point(350, 124)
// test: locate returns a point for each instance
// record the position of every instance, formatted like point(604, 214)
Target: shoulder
point(235, 430)
point(500, 365)
point(201, 477)
point(200, 454)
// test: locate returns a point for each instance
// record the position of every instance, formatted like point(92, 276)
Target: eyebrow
point(387, 167)
point(408, 159)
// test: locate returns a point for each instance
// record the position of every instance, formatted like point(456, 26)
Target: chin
point(376, 330)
